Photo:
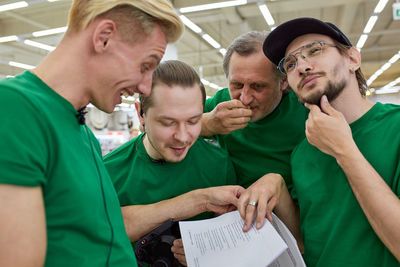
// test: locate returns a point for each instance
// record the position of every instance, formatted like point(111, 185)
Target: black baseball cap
point(277, 41)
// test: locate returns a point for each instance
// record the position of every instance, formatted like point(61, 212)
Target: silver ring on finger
point(252, 203)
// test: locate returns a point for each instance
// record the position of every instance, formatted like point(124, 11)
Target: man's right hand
point(225, 118)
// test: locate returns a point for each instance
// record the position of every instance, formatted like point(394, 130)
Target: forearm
point(378, 202)
point(205, 125)
point(141, 219)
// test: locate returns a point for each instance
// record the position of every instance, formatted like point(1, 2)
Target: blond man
point(57, 203)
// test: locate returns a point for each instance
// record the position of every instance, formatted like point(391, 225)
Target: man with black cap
point(346, 174)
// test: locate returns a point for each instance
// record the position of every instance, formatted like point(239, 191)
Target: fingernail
point(258, 225)
point(324, 98)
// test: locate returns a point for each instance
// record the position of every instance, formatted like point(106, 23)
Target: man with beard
point(167, 172)
point(257, 119)
point(346, 174)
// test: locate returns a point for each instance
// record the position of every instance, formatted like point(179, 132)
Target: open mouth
point(126, 92)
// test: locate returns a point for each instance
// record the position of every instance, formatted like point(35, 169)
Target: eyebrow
point(156, 58)
point(162, 117)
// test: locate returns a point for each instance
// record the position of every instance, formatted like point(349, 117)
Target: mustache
point(321, 73)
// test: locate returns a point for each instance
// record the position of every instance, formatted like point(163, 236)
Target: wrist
point(205, 129)
point(200, 199)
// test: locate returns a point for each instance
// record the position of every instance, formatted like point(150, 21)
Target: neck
point(151, 151)
point(64, 71)
point(351, 103)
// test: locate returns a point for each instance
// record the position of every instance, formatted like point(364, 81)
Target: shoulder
point(209, 147)
point(220, 96)
point(124, 150)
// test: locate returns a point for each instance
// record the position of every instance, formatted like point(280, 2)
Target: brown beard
point(332, 91)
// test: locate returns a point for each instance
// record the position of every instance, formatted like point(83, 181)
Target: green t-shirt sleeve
point(24, 144)
point(220, 96)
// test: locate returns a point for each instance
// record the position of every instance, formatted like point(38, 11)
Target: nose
point(303, 65)
point(182, 134)
point(144, 87)
point(245, 95)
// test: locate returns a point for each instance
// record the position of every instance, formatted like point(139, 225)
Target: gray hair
point(245, 45)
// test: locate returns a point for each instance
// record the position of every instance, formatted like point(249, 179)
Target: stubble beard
point(331, 90)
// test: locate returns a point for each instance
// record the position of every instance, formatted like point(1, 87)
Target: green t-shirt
point(43, 145)
point(264, 146)
point(140, 181)
point(334, 227)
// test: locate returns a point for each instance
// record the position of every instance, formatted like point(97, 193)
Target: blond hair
point(134, 18)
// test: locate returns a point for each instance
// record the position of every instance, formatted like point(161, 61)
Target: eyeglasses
point(311, 50)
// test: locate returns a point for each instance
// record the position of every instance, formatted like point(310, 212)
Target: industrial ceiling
point(222, 25)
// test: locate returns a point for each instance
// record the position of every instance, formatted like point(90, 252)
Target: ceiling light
point(211, 41)
point(383, 68)
point(39, 45)
point(361, 41)
point(387, 90)
point(386, 66)
point(266, 14)
point(205, 82)
point(8, 38)
point(222, 51)
point(50, 31)
point(212, 6)
point(13, 6)
point(370, 24)
point(21, 65)
point(380, 6)
point(190, 24)
point(394, 58)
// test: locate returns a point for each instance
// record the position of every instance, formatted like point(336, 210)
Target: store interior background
point(31, 29)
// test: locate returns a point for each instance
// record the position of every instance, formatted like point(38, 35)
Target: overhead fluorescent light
point(39, 45)
point(387, 90)
point(386, 66)
point(361, 41)
point(222, 51)
point(394, 58)
point(383, 68)
point(21, 65)
point(190, 24)
point(50, 31)
point(266, 14)
point(212, 6)
point(205, 82)
point(370, 24)
point(379, 72)
point(380, 6)
point(211, 41)
point(12, 6)
point(8, 38)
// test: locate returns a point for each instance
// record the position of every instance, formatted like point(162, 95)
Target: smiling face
point(253, 82)
point(173, 122)
point(326, 74)
point(126, 68)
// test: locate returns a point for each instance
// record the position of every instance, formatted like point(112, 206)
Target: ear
point(283, 83)
point(104, 31)
point(139, 113)
point(354, 59)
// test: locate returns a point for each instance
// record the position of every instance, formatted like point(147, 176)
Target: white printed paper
point(221, 242)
